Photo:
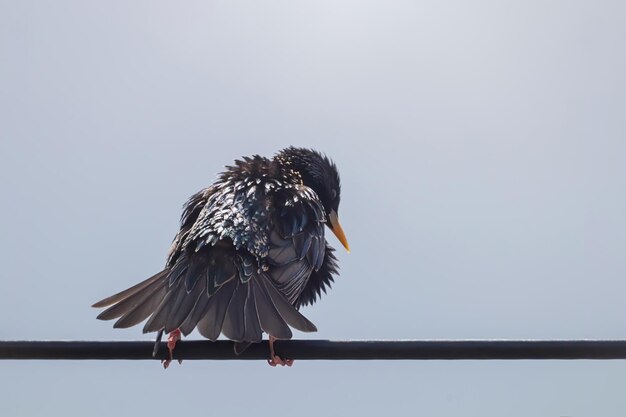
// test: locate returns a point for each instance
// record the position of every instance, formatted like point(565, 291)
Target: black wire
point(323, 350)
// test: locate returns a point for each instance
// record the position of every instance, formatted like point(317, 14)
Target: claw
point(274, 358)
point(277, 360)
point(172, 338)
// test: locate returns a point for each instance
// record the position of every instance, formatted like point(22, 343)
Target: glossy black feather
point(270, 319)
point(122, 295)
point(184, 306)
point(235, 321)
point(211, 321)
point(319, 281)
point(253, 332)
point(143, 309)
point(132, 300)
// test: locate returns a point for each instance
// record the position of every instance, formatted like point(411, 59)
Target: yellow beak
point(337, 230)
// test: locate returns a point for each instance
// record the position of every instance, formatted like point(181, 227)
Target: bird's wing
point(217, 279)
point(191, 211)
point(320, 280)
point(237, 212)
point(297, 243)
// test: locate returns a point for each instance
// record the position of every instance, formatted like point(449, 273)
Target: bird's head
point(320, 174)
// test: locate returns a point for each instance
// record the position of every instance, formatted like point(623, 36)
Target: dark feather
point(302, 243)
point(210, 323)
point(129, 291)
point(319, 280)
point(179, 269)
point(287, 311)
point(222, 272)
point(235, 322)
point(198, 311)
point(197, 269)
point(314, 252)
point(157, 320)
point(282, 251)
point(142, 310)
point(184, 305)
point(270, 319)
point(253, 327)
point(134, 298)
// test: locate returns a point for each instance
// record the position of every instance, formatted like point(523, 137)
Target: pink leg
point(275, 359)
point(172, 338)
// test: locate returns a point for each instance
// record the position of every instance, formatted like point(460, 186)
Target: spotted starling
point(250, 252)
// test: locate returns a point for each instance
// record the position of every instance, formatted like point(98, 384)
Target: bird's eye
point(333, 194)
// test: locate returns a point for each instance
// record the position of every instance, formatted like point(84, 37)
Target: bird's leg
point(172, 338)
point(275, 359)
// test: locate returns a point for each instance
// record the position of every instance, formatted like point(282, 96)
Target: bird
point(250, 252)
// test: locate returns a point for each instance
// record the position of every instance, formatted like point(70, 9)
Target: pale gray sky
point(482, 148)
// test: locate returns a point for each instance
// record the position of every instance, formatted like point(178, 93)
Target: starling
point(250, 252)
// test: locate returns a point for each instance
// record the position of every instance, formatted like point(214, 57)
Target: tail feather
point(240, 305)
point(270, 320)
point(195, 315)
point(143, 310)
point(132, 299)
point(234, 326)
point(186, 305)
point(210, 324)
point(157, 320)
point(288, 312)
point(129, 291)
point(254, 333)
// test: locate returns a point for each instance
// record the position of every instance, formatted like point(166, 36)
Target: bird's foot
point(277, 360)
point(172, 338)
point(274, 358)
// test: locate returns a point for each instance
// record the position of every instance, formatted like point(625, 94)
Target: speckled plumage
point(250, 251)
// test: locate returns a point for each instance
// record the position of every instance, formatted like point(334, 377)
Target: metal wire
point(323, 350)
